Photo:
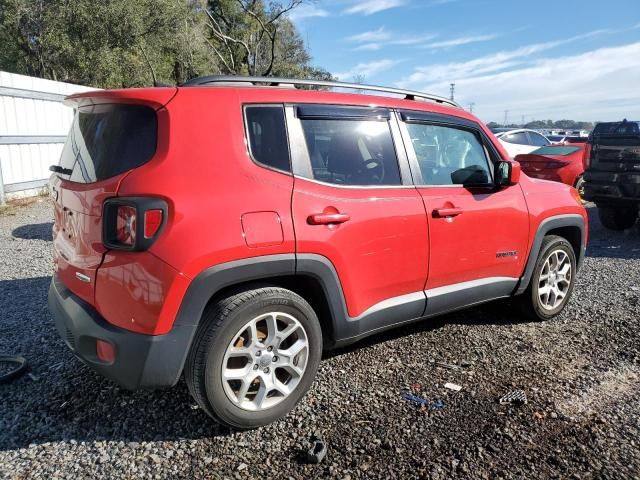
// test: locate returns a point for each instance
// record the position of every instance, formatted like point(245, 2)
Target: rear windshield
point(553, 150)
point(617, 128)
point(106, 140)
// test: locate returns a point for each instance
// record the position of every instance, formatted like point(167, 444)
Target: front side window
point(537, 140)
point(448, 155)
point(268, 136)
point(351, 152)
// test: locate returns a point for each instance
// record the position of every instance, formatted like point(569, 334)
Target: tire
point(537, 305)
point(579, 186)
point(245, 323)
point(618, 218)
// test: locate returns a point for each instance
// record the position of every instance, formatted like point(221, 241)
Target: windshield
point(555, 150)
point(106, 140)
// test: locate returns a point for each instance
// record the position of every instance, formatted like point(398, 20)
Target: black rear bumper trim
point(142, 361)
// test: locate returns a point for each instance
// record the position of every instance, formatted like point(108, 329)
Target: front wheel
point(254, 357)
point(553, 280)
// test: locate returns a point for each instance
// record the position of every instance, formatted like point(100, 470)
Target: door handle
point(447, 212)
point(327, 218)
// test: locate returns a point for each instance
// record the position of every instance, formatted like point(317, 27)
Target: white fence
point(33, 127)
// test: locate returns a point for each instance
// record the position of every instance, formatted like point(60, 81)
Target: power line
point(506, 117)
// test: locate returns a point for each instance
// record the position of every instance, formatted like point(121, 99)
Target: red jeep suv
point(232, 228)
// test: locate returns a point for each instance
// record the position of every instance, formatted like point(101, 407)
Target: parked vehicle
point(560, 163)
point(521, 140)
point(231, 231)
point(562, 139)
point(612, 177)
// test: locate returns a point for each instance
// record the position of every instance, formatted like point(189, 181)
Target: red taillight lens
point(105, 351)
point(586, 156)
point(126, 225)
point(132, 223)
point(152, 222)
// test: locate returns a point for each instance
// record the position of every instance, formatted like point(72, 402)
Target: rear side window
point(268, 136)
point(519, 138)
point(537, 140)
point(106, 140)
point(358, 152)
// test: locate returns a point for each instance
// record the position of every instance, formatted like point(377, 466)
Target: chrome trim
point(83, 278)
point(390, 303)
point(458, 287)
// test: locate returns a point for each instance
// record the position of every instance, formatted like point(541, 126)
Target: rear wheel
point(254, 356)
point(553, 280)
point(618, 218)
point(580, 186)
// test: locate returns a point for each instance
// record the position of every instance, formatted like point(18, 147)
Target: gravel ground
point(580, 372)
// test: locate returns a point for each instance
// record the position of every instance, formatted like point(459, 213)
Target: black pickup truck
point(612, 176)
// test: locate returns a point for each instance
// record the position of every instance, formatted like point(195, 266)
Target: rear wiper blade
point(59, 169)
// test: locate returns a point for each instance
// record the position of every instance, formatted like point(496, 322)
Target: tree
point(254, 38)
point(121, 43)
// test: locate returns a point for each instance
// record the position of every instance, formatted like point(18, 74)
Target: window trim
point(436, 119)
point(247, 137)
point(301, 162)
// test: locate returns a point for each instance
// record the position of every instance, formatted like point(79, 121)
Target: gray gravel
point(580, 372)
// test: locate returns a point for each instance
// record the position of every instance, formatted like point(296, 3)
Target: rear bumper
point(141, 361)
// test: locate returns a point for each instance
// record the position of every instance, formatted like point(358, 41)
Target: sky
point(538, 60)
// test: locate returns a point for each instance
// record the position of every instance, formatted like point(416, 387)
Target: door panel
point(379, 253)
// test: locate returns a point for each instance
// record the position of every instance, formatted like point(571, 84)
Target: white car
point(521, 140)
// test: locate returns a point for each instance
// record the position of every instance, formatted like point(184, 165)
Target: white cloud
point(307, 11)
point(454, 42)
point(368, 7)
point(367, 69)
point(371, 36)
point(596, 85)
point(380, 38)
point(487, 64)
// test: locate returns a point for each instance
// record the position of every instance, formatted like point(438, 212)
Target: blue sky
point(537, 59)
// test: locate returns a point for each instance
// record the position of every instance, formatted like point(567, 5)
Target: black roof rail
point(277, 81)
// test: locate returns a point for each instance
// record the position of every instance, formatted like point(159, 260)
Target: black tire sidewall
point(554, 243)
point(220, 404)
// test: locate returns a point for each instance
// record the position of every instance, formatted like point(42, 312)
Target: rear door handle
point(447, 212)
point(327, 218)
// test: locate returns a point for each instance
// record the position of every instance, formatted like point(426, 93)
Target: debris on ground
point(419, 402)
point(453, 386)
point(450, 366)
point(516, 397)
point(318, 449)
point(18, 366)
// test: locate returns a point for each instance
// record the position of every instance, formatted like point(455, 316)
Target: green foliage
point(124, 43)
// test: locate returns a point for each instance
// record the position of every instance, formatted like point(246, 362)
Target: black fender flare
point(547, 225)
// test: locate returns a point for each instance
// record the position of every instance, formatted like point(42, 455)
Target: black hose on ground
point(20, 367)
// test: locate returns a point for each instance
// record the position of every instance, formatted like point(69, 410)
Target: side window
point(537, 140)
point(268, 136)
point(519, 138)
point(448, 155)
point(351, 152)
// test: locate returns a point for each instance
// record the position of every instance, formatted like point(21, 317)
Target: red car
point(560, 163)
point(233, 228)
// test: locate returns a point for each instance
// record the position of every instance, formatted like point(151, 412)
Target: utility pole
point(471, 105)
point(523, 120)
point(506, 117)
point(453, 89)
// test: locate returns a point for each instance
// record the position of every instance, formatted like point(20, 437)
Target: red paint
point(383, 242)
point(559, 168)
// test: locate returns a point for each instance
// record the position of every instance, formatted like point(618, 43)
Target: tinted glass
point(617, 128)
point(352, 152)
point(556, 150)
point(107, 140)
point(537, 140)
point(575, 140)
point(449, 156)
point(519, 138)
point(268, 136)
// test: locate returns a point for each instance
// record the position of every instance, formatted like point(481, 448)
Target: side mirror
point(507, 173)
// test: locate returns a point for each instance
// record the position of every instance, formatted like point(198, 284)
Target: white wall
point(29, 120)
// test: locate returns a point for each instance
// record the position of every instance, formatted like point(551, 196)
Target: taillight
point(132, 223)
point(586, 156)
point(555, 164)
